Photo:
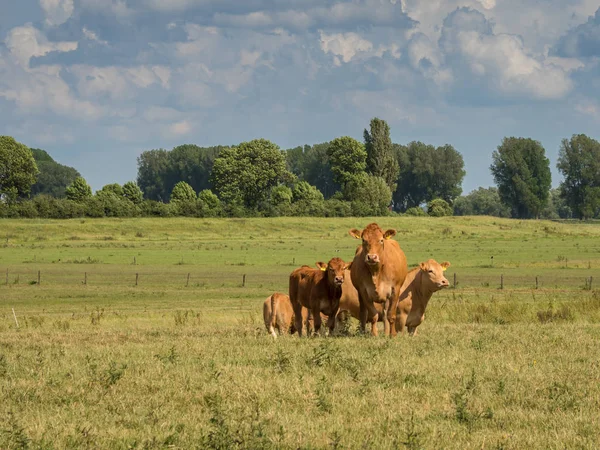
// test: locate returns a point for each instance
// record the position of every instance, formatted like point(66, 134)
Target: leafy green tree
point(522, 173)
point(438, 207)
point(53, 178)
point(347, 158)
point(17, 169)
point(308, 200)
point(152, 167)
point(113, 188)
point(426, 173)
point(381, 160)
point(316, 169)
point(579, 162)
point(369, 195)
point(481, 202)
point(209, 203)
point(183, 192)
point(245, 174)
point(78, 191)
point(133, 193)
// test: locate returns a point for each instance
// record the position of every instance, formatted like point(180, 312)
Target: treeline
point(343, 177)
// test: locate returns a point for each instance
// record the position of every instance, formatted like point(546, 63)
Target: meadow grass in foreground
point(165, 365)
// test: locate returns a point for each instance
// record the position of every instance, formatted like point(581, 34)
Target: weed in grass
point(219, 436)
point(14, 435)
point(323, 393)
point(561, 396)
point(96, 316)
point(181, 318)
point(464, 413)
point(169, 358)
point(323, 354)
point(62, 325)
point(413, 440)
point(3, 365)
point(335, 440)
point(281, 360)
point(113, 374)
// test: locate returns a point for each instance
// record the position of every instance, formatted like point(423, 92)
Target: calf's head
point(335, 269)
point(433, 275)
point(373, 242)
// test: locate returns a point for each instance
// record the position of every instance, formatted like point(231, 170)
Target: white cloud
point(180, 128)
point(26, 41)
point(248, 58)
point(502, 60)
point(57, 11)
point(92, 36)
point(344, 45)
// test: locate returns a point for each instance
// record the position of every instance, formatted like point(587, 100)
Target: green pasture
point(182, 360)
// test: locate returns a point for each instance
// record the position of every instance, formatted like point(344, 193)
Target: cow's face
point(433, 273)
point(335, 270)
point(373, 242)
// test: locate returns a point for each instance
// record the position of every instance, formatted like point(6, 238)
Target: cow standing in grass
point(420, 284)
point(378, 272)
point(319, 290)
point(278, 315)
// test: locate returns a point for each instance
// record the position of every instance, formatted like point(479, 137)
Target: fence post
point(502, 281)
point(134, 261)
point(137, 275)
point(536, 282)
point(85, 279)
point(454, 280)
point(39, 277)
point(188, 280)
point(244, 280)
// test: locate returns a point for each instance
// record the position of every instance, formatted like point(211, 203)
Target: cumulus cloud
point(582, 41)
point(57, 11)
point(26, 41)
point(501, 61)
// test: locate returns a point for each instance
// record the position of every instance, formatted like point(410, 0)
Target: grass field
point(178, 362)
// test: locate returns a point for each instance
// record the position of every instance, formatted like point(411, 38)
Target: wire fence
point(153, 276)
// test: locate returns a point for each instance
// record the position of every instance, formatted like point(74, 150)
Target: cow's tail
point(273, 318)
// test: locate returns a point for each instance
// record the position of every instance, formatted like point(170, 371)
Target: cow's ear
point(322, 265)
point(348, 266)
point(389, 234)
point(423, 266)
point(355, 233)
point(445, 265)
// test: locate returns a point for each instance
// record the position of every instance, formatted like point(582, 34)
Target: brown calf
point(318, 290)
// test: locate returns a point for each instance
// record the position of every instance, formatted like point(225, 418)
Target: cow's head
point(335, 270)
point(373, 241)
point(433, 275)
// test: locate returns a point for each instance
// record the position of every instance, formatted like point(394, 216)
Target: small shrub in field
point(564, 313)
point(170, 357)
point(323, 392)
point(62, 325)
point(113, 374)
point(95, 316)
point(281, 360)
point(3, 366)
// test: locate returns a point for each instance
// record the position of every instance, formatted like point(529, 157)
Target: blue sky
point(96, 82)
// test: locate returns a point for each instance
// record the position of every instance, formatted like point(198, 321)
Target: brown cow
point(279, 314)
point(420, 284)
point(378, 272)
point(319, 291)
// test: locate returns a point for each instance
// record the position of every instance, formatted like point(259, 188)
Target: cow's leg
point(401, 322)
point(308, 321)
point(372, 311)
point(363, 314)
point(331, 321)
point(386, 324)
point(298, 318)
point(392, 311)
point(316, 313)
